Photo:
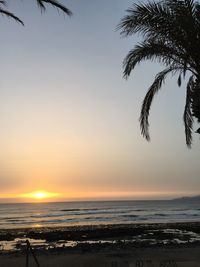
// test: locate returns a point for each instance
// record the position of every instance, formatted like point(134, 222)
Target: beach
point(140, 245)
point(146, 257)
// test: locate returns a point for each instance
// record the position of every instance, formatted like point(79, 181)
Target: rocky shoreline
point(101, 236)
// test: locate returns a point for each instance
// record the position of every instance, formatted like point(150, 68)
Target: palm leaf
point(152, 50)
point(195, 100)
point(187, 117)
point(144, 115)
point(41, 4)
point(10, 15)
point(54, 3)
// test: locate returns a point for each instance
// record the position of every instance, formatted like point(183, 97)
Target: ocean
point(25, 215)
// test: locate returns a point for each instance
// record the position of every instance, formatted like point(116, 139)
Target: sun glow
point(40, 195)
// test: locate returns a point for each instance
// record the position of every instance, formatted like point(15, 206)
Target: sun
point(40, 195)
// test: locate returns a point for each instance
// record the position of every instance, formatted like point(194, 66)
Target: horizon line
point(99, 200)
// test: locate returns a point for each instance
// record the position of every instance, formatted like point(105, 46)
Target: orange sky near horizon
point(45, 196)
point(69, 121)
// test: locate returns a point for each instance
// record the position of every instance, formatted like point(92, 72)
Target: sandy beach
point(140, 245)
point(146, 257)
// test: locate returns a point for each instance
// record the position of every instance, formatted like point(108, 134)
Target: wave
point(66, 214)
point(82, 212)
point(47, 215)
point(79, 209)
point(130, 216)
point(109, 210)
point(161, 214)
point(96, 219)
point(11, 218)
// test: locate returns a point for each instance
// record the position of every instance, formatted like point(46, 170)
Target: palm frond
point(142, 18)
point(41, 4)
point(191, 6)
point(187, 116)
point(197, 13)
point(144, 115)
point(54, 3)
point(170, 31)
point(169, 21)
point(152, 50)
point(195, 99)
point(10, 15)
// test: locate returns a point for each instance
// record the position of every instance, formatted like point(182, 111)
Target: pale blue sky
point(68, 119)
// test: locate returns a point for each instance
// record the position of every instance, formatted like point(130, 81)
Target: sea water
point(23, 215)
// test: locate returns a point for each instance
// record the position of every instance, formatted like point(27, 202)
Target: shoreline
point(184, 234)
point(119, 245)
point(191, 223)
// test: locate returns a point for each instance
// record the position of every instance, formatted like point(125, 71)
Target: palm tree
point(41, 5)
point(171, 36)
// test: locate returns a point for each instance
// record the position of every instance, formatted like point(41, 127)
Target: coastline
point(134, 235)
point(126, 245)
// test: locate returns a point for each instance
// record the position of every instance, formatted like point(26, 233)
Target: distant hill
point(194, 198)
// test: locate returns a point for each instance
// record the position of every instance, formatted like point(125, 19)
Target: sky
point(69, 120)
